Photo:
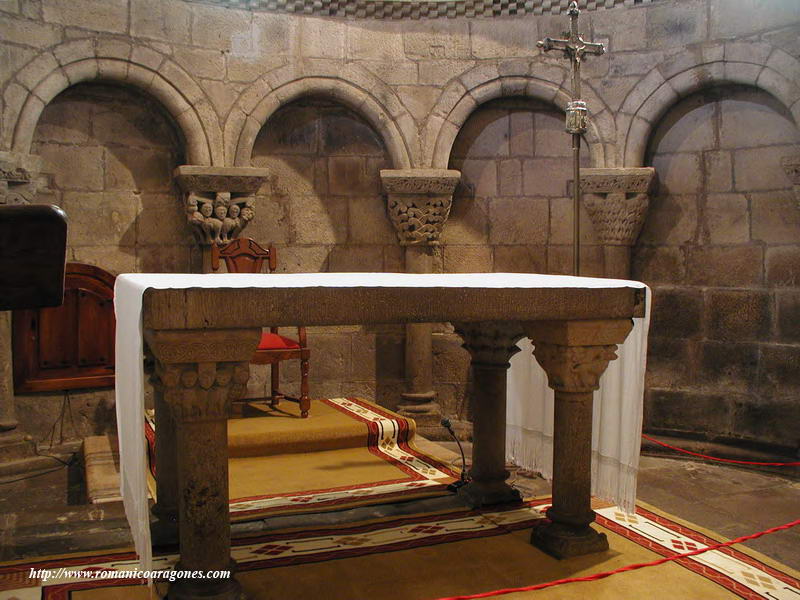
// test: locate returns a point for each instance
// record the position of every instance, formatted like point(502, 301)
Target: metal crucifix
point(574, 49)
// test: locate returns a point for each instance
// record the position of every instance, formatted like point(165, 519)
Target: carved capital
point(492, 342)
point(200, 391)
point(201, 371)
point(19, 175)
point(617, 201)
point(218, 219)
point(791, 166)
point(199, 345)
point(418, 202)
point(219, 201)
point(629, 180)
point(235, 180)
point(574, 354)
point(574, 368)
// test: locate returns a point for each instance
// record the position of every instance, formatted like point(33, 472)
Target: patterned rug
point(348, 453)
point(429, 557)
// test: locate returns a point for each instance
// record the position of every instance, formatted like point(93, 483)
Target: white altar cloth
point(128, 292)
point(616, 416)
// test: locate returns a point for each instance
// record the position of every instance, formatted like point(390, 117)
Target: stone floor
point(47, 514)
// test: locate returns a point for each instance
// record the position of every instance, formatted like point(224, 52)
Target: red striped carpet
point(436, 556)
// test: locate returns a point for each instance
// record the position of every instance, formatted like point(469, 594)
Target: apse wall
point(323, 210)
point(412, 85)
point(108, 154)
point(721, 251)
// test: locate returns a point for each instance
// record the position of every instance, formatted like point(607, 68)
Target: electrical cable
point(464, 479)
point(34, 475)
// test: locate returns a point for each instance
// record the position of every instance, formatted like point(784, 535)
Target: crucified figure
point(574, 48)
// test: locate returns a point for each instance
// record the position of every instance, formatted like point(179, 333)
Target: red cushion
point(273, 341)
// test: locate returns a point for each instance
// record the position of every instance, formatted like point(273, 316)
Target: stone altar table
point(202, 330)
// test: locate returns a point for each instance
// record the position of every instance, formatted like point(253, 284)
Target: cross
point(574, 48)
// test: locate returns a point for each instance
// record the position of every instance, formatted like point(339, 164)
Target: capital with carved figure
point(219, 201)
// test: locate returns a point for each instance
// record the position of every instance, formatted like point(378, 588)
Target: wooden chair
point(244, 255)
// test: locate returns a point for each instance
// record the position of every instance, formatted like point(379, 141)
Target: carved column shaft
point(617, 201)
point(418, 204)
point(574, 354)
point(491, 346)
point(198, 373)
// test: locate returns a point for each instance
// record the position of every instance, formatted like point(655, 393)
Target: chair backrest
point(243, 255)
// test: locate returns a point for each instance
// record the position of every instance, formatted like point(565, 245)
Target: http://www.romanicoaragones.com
point(63, 573)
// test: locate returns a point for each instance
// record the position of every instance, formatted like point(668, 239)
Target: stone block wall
point(323, 210)
point(512, 211)
point(716, 248)
point(108, 153)
point(262, 86)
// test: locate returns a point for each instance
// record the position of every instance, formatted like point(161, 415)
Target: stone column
point(574, 354)
point(8, 420)
point(617, 201)
point(491, 346)
point(19, 174)
point(418, 203)
point(165, 529)
point(199, 372)
point(791, 166)
point(219, 202)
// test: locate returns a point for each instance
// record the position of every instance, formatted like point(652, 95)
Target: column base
point(8, 425)
point(417, 398)
point(196, 589)
point(427, 416)
point(206, 589)
point(563, 541)
point(14, 446)
point(477, 493)
point(164, 529)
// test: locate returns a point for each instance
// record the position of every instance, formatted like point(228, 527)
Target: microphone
point(464, 479)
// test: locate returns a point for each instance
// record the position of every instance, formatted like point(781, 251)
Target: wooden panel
point(55, 334)
point(71, 346)
point(95, 332)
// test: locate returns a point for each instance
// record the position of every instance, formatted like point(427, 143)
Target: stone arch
point(348, 84)
point(488, 82)
point(755, 64)
point(46, 76)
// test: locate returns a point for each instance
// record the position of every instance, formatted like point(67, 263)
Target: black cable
point(34, 475)
point(65, 401)
point(464, 479)
point(66, 463)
